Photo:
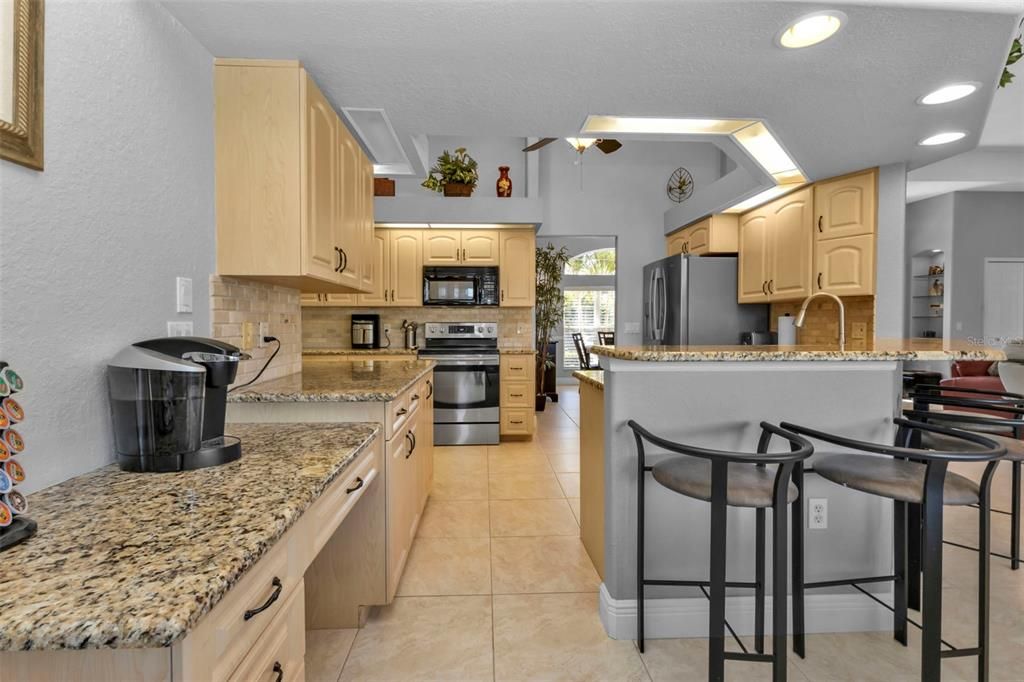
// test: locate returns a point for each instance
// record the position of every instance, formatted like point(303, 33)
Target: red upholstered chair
point(972, 374)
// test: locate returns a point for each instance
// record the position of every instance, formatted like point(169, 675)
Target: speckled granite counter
point(398, 352)
point(326, 379)
point(880, 350)
point(594, 377)
point(127, 560)
point(517, 351)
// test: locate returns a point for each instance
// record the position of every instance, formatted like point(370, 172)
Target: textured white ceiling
point(532, 68)
point(1004, 126)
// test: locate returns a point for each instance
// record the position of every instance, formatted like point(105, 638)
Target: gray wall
point(89, 249)
point(985, 225)
point(890, 281)
point(623, 195)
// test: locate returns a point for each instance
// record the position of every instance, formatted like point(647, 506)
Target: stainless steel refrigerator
point(691, 300)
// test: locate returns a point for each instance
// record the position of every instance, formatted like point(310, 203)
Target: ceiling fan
point(580, 144)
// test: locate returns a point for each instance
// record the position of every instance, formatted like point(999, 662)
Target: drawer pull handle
point(357, 486)
point(819, 280)
point(412, 444)
point(430, 385)
point(401, 412)
point(279, 669)
point(276, 582)
point(820, 218)
point(518, 369)
point(517, 395)
point(415, 396)
point(517, 422)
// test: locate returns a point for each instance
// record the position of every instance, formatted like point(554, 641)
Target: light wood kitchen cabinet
point(460, 247)
point(405, 268)
point(846, 206)
point(380, 290)
point(480, 247)
point(775, 250)
point(518, 417)
point(517, 273)
point(846, 265)
point(404, 498)
point(717, 234)
point(292, 205)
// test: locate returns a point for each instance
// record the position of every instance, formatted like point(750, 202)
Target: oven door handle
point(463, 361)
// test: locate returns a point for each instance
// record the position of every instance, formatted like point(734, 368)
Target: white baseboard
point(688, 617)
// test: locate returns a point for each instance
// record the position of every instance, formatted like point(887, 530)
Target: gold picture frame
point(21, 82)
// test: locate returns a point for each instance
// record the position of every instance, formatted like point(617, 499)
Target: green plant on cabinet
point(457, 169)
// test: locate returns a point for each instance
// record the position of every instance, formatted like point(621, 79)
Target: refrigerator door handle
point(649, 311)
point(664, 307)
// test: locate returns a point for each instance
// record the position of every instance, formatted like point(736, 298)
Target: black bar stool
point(728, 479)
point(912, 473)
point(1007, 430)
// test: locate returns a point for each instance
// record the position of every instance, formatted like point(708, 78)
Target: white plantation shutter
point(586, 311)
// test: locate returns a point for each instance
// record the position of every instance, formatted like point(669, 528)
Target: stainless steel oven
point(463, 285)
point(466, 388)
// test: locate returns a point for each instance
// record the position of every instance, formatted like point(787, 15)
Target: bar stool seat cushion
point(979, 428)
point(937, 441)
point(896, 479)
point(748, 484)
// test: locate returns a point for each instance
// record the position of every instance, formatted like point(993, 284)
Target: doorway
point(1003, 303)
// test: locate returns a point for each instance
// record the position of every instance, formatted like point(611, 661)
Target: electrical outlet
point(817, 513)
point(859, 330)
point(180, 328)
point(264, 332)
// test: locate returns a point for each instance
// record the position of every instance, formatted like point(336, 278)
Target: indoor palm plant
point(454, 174)
point(550, 266)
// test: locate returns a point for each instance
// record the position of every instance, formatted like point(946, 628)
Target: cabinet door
point(698, 239)
point(480, 247)
point(517, 270)
point(341, 300)
point(368, 268)
point(846, 266)
point(311, 300)
point(846, 207)
point(753, 257)
point(405, 266)
point(674, 244)
point(790, 245)
point(379, 293)
point(318, 245)
point(442, 247)
point(348, 228)
point(401, 481)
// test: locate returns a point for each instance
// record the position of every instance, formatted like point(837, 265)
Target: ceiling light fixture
point(581, 144)
point(811, 29)
point(943, 138)
point(762, 197)
point(759, 142)
point(597, 124)
point(949, 93)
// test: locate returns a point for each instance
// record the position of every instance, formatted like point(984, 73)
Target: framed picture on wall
point(21, 82)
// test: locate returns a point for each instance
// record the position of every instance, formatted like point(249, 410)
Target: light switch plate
point(184, 288)
point(180, 328)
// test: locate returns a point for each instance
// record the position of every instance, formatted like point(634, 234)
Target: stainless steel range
point(466, 391)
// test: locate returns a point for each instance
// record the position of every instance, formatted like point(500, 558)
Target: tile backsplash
point(234, 302)
point(332, 328)
point(822, 323)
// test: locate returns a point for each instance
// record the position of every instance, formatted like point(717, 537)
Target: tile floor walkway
point(499, 587)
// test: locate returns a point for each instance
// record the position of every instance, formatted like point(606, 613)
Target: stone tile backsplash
point(330, 327)
point(234, 302)
point(822, 324)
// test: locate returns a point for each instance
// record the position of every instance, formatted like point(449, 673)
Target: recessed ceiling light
point(811, 29)
point(949, 93)
point(943, 138)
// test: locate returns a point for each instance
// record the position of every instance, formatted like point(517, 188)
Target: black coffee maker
point(168, 397)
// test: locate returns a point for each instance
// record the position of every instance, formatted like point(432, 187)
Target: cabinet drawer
point(517, 421)
point(398, 412)
point(517, 394)
point(280, 651)
point(337, 501)
point(517, 366)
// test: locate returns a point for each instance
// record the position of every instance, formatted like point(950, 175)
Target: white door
point(1003, 309)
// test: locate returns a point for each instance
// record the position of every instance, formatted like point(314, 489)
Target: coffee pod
point(6, 484)
point(16, 501)
point(6, 515)
point(12, 408)
point(5, 421)
point(13, 380)
point(5, 452)
point(5, 389)
point(14, 469)
point(15, 443)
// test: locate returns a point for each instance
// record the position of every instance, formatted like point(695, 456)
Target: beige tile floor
point(499, 587)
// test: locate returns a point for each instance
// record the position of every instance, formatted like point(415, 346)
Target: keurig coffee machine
point(365, 330)
point(168, 398)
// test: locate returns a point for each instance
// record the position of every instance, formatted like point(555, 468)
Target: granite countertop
point(880, 349)
point(325, 379)
point(358, 351)
point(517, 351)
point(594, 377)
point(128, 560)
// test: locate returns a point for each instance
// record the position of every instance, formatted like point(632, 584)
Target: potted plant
point(550, 266)
point(453, 174)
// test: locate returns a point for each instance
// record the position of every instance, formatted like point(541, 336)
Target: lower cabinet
point(280, 652)
point(845, 265)
point(518, 416)
point(404, 499)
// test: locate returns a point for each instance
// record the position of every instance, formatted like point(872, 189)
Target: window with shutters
point(586, 311)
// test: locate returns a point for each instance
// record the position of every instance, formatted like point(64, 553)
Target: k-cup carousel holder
point(15, 526)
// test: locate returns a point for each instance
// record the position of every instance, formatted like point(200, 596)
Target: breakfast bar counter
point(716, 397)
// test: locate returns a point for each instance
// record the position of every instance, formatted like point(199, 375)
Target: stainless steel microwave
point(465, 285)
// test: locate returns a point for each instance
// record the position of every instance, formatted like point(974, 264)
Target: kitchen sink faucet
point(842, 315)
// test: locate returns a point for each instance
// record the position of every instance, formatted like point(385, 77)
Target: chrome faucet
point(842, 315)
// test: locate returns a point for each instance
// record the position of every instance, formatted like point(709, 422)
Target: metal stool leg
point(780, 542)
point(931, 611)
point(759, 579)
point(1015, 517)
point(899, 551)
point(799, 646)
point(984, 564)
point(716, 622)
point(914, 556)
point(640, 554)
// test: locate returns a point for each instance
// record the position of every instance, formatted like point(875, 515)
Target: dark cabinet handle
point(518, 369)
point(516, 422)
point(392, 295)
point(401, 411)
point(764, 287)
point(503, 294)
point(337, 268)
point(819, 223)
point(415, 396)
point(819, 280)
point(279, 669)
point(276, 582)
point(344, 260)
point(771, 289)
point(357, 486)
point(413, 441)
point(430, 385)
point(408, 438)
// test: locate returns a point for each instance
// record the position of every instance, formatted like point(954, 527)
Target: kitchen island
point(149, 576)
point(715, 397)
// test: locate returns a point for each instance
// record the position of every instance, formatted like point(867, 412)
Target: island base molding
point(682, 617)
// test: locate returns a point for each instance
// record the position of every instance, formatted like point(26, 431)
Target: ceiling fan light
point(581, 144)
point(811, 29)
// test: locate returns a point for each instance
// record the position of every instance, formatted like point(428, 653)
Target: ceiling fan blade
point(542, 142)
point(608, 145)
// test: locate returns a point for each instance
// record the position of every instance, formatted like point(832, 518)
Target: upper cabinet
point(405, 265)
point(460, 247)
point(775, 247)
point(846, 221)
point(294, 190)
point(717, 234)
point(517, 269)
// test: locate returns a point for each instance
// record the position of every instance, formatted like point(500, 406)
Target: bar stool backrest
point(1012, 374)
point(581, 350)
